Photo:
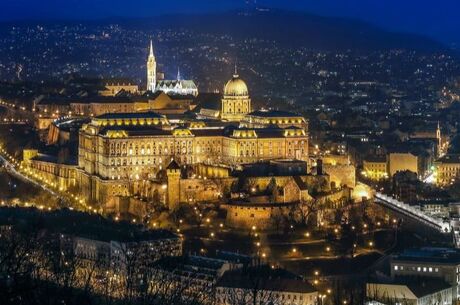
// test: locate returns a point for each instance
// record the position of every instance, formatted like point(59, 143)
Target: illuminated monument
point(129, 153)
point(151, 70)
point(176, 86)
point(236, 103)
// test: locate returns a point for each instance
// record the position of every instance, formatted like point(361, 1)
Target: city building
point(283, 119)
point(434, 263)
point(431, 133)
point(375, 168)
point(113, 87)
point(447, 170)
point(264, 285)
point(199, 273)
point(402, 161)
point(410, 291)
point(94, 239)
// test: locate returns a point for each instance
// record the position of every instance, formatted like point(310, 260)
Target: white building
point(415, 292)
point(433, 263)
point(174, 87)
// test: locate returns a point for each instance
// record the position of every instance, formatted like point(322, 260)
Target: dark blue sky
point(435, 18)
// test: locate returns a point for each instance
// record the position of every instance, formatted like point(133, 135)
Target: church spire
point(151, 70)
point(151, 49)
point(178, 74)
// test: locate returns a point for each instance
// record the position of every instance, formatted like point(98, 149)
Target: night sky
point(436, 18)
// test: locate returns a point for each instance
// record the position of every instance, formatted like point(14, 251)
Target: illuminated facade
point(283, 119)
point(447, 170)
point(126, 153)
point(177, 86)
point(121, 149)
point(375, 168)
point(151, 70)
point(114, 87)
point(399, 162)
point(236, 103)
point(139, 145)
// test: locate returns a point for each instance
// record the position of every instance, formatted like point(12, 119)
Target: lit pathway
point(403, 208)
point(10, 168)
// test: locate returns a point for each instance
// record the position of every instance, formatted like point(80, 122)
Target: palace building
point(138, 145)
point(121, 149)
point(235, 102)
point(143, 145)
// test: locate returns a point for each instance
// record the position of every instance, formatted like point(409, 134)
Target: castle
point(155, 155)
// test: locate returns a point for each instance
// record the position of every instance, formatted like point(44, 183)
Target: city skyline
point(241, 157)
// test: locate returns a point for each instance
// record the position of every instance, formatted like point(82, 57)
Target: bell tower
point(151, 70)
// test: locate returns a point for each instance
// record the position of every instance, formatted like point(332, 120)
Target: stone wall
point(341, 175)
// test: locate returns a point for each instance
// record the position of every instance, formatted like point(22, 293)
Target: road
point(11, 169)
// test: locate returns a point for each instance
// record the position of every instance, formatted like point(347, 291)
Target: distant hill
point(295, 29)
point(292, 29)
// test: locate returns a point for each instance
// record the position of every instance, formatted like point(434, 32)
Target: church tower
point(236, 103)
point(439, 138)
point(151, 70)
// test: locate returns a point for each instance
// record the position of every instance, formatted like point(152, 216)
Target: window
point(396, 268)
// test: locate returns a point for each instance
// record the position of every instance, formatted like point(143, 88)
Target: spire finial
point(236, 70)
point(151, 47)
point(178, 74)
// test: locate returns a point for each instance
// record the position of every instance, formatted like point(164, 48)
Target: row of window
point(418, 269)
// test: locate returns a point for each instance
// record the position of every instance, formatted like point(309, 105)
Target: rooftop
point(437, 255)
point(131, 115)
point(374, 159)
point(273, 113)
point(265, 278)
point(449, 159)
point(197, 267)
point(137, 130)
point(170, 84)
point(419, 287)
